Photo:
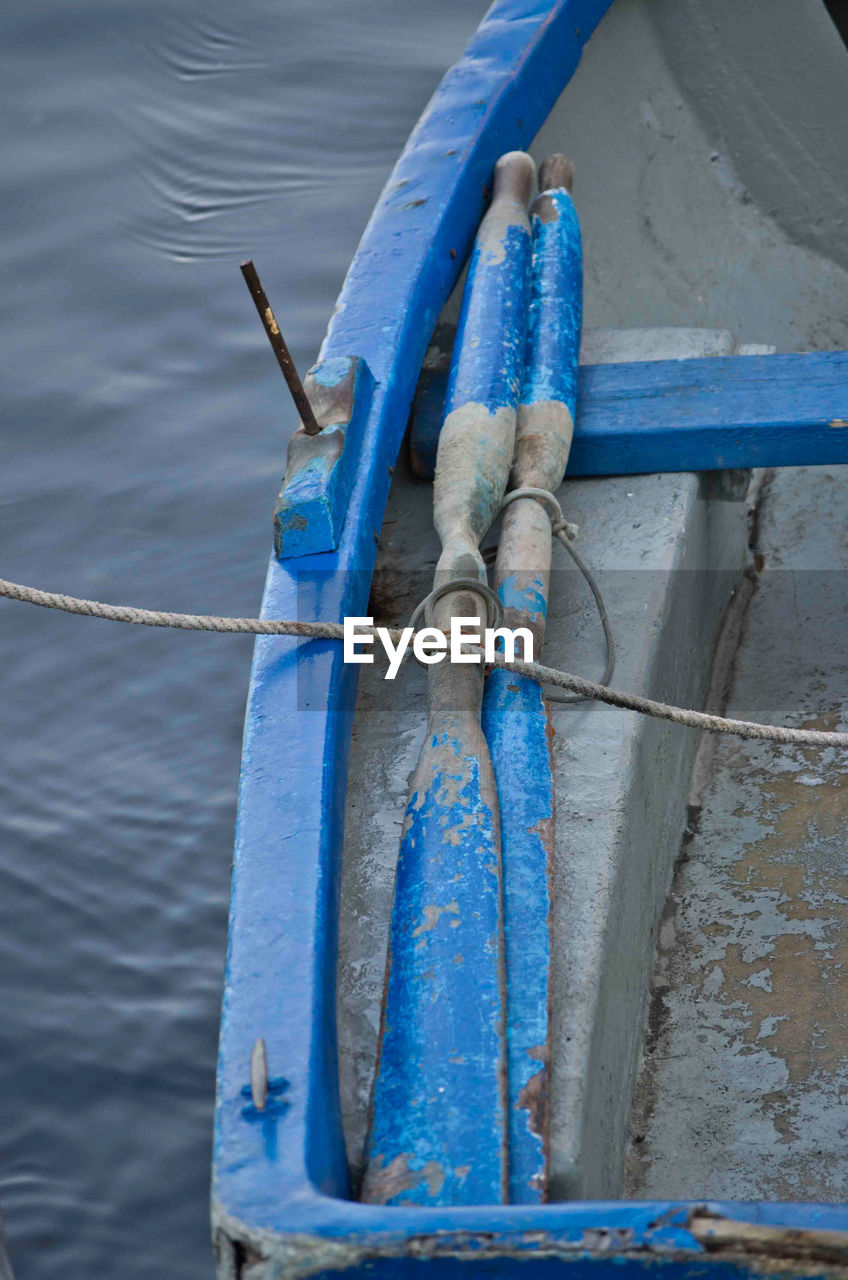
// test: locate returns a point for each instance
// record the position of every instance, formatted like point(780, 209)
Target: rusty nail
point(281, 351)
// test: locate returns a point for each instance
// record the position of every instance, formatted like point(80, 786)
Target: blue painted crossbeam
point(699, 415)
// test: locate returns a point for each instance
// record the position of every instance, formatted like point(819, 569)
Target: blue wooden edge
point(280, 1176)
point(688, 415)
point(312, 506)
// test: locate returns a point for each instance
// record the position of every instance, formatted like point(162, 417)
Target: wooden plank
point(712, 414)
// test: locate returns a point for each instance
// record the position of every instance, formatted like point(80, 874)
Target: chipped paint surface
point(476, 442)
point(475, 452)
point(442, 1026)
point(516, 727)
point(281, 962)
point(749, 411)
point(492, 319)
point(515, 717)
point(745, 1086)
point(320, 469)
point(514, 712)
point(556, 303)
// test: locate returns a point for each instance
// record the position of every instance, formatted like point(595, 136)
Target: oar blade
point(515, 721)
point(438, 1123)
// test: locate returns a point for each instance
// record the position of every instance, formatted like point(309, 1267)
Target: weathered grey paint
point(743, 1088)
point(689, 213)
point(769, 81)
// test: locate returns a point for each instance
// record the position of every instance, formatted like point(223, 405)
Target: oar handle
point(556, 171)
point(554, 323)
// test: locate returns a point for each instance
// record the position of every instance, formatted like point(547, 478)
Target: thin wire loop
point(494, 607)
point(565, 532)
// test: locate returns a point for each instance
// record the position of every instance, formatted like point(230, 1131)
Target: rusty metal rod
point(281, 351)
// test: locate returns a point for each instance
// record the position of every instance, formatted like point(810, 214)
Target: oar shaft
point(439, 1123)
point(514, 714)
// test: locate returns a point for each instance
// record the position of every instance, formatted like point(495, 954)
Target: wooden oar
point(438, 1131)
point(514, 713)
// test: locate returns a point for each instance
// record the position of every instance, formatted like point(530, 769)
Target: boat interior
point(699, 974)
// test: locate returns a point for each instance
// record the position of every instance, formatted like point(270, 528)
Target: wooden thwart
point(712, 414)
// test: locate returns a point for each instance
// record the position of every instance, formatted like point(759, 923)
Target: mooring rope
point(334, 631)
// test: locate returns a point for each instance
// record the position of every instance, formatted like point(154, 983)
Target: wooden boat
point(655, 1042)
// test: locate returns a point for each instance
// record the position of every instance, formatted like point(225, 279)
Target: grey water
point(145, 149)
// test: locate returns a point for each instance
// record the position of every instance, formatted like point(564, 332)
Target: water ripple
point(145, 147)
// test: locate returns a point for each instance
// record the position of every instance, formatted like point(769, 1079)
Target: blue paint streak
point(329, 373)
point(437, 1102)
point(490, 336)
point(556, 306)
point(528, 599)
point(515, 723)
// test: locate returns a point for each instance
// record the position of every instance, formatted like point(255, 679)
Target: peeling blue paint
point(331, 372)
point(711, 414)
point(556, 303)
point(516, 727)
point(320, 470)
point(515, 719)
point(442, 1028)
point(527, 598)
point(443, 1033)
point(280, 980)
point(492, 326)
